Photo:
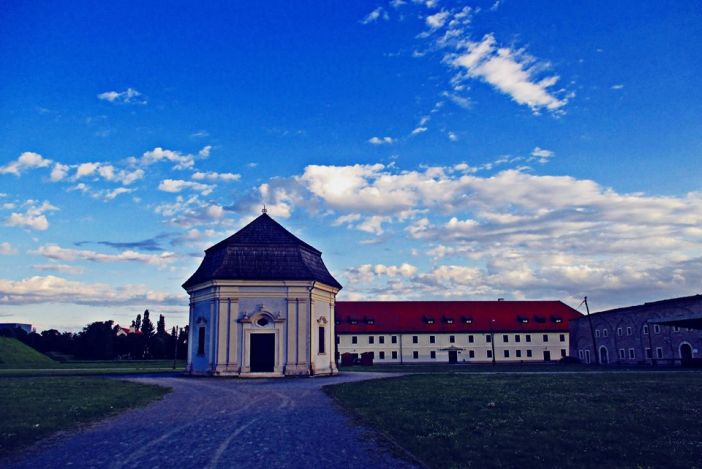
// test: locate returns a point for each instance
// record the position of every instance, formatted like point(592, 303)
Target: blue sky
point(462, 150)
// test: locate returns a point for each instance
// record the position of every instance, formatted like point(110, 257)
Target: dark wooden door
point(547, 356)
point(262, 349)
point(453, 356)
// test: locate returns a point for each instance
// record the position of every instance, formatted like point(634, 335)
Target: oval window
point(262, 322)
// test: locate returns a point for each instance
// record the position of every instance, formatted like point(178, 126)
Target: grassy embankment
point(535, 420)
point(18, 359)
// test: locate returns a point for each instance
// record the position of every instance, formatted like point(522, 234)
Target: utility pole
point(592, 332)
point(175, 352)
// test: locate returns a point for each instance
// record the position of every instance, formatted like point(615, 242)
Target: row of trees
point(103, 340)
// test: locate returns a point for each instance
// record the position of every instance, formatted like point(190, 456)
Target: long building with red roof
point(454, 331)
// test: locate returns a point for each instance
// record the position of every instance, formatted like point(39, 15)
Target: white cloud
point(128, 96)
point(107, 172)
point(542, 155)
point(381, 140)
point(512, 72)
point(419, 130)
point(111, 195)
point(53, 251)
point(452, 136)
point(618, 87)
point(437, 20)
point(27, 160)
point(375, 15)
point(182, 161)
point(7, 249)
point(59, 172)
point(33, 218)
point(213, 176)
point(178, 185)
point(191, 211)
point(52, 289)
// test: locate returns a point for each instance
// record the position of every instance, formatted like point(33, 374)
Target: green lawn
point(85, 368)
point(557, 420)
point(32, 408)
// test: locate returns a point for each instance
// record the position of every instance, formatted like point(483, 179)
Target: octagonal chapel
point(262, 305)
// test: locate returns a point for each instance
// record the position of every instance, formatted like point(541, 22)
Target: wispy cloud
point(214, 176)
point(375, 15)
point(128, 96)
point(178, 185)
point(381, 140)
point(7, 249)
point(53, 251)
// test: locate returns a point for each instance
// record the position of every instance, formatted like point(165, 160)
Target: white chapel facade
point(262, 305)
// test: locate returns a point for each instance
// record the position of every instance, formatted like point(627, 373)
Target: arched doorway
point(685, 354)
point(604, 355)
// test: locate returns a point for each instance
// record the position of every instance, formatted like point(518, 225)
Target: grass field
point(537, 367)
point(32, 408)
point(555, 420)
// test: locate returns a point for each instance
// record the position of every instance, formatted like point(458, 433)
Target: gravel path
point(214, 422)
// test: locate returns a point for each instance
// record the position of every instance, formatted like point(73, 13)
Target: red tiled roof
point(452, 316)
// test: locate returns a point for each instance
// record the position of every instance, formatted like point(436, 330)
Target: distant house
point(121, 331)
point(659, 332)
point(454, 331)
point(16, 325)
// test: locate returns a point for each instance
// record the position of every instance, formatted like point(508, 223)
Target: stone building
point(660, 332)
point(262, 305)
point(454, 331)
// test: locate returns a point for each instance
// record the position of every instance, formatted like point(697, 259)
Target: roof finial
point(264, 209)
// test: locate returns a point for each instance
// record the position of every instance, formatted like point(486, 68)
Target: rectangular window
point(432, 354)
point(605, 332)
point(545, 337)
point(519, 353)
point(561, 337)
point(471, 354)
point(381, 355)
point(506, 352)
point(659, 352)
point(322, 337)
point(488, 338)
point(648, 353)
point(201, 341)
point(517, 338)
point(587, 356)
point(354, 339)
point(628, 330)
point(381, 339)
point(452, 339)
point(470, 339)
point(528, 337)
point(645, 329)
point(415, 355)
point(372, 355)
point(432, 339)
point(619, 331)
point(581, 354)
point(676, 328)
point(371, 339)
point(622, 354)
point(529, 353)
point(632, 353)
point(656, 328)
point(505, 338)
point(415, 339)
point(393, 339)
point(489, 353)
point(394, 355)
point(563, 353)
point(597, 332)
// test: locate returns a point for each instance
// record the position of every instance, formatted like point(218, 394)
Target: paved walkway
point(211, 422)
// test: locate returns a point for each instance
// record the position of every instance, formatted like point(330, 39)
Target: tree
point(161, 325)
point(137, 322)
point(147, 327)
point(96, 341)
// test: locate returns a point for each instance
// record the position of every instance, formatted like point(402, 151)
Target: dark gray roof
point(262, 250)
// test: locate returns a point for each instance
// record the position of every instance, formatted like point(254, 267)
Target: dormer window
point(370, 321)
point(353, 321)
point(428, 320)
point(467, 320)
point(556, 319)
point(522, 319)
point(448, 320)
